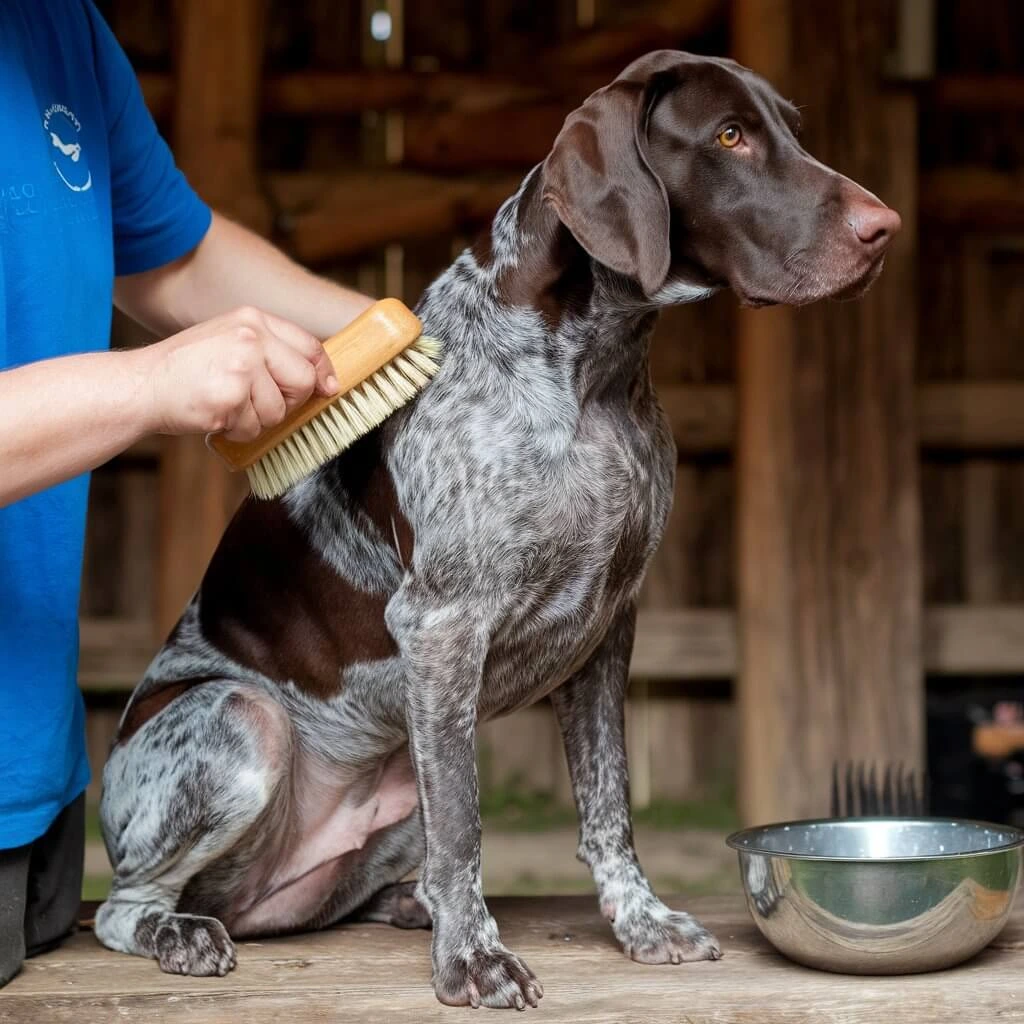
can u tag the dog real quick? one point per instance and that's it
(305, 738)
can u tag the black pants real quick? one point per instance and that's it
(41, 889)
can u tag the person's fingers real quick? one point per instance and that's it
(294, 375)
(267, 400)
(246, 425)
(308, 346)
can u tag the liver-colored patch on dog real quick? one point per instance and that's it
(271, 603)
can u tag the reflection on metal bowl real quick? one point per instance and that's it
(880, 895)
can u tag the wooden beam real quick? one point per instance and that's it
(327, 93)
(672, 645)
(216, 109)
(464, 140)
(977, 93)
(146, 449)
(569, 71)
(971, 415)
(158, 92)
(339, 93)
(973, 198)
(113, 653)
(659, 26)
(217, 103)
(692, 643)
(979, 415)
(829, 547)
(695, 643)
(337, 216)
(981, 639)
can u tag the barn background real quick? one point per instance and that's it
(843, 575)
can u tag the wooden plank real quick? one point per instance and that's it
(975, 414)
(702, 416)
(217, 103)
(702, 643)
(691, 643)
(953, 416)
(113, 653)
(676, 644)
(567, 71)
(829, 552)
(462, 140)
(983, 355)
(146, 449)
(973, 198)
(993, 299)
(329, 217)
(339, 93)
(658, 26)
(979, 93)
(982, 639)
(366, 972)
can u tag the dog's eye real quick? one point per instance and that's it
(730, 137)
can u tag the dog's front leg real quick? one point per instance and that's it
(590, 709)
(444, 650)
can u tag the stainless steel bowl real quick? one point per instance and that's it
(880, 895)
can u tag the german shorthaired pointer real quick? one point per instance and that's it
(305, 737)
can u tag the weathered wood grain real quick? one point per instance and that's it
(829, 554)
(672, 644)
(336, 216)
(973, 198)
(969, 415)
(216, 108)
(373, 973)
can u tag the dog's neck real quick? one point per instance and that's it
(549, 310)
(556, 302)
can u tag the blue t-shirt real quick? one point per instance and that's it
(87, 190)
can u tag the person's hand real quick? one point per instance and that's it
(239, 374)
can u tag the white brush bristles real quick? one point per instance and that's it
(348, 418)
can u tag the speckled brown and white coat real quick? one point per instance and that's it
(305, 738)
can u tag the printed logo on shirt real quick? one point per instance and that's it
(64, 130)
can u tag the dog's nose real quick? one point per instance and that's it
(873, 223)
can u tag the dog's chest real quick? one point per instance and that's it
(536, 513)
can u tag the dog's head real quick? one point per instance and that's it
(686, 173)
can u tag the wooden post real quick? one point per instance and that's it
(216, 110)
(828, 531)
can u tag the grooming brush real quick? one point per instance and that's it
(381, 361)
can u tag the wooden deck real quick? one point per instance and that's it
(371, 973)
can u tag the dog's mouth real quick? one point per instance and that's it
(813, 286)
(858, 288)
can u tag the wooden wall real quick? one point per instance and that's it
(443, 172)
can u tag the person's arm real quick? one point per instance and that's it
(230, 267)
(238, 373)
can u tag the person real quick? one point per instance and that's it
(93, 209)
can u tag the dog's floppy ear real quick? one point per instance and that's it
(598, 179)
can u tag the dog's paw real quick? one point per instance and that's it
(194, 945)
(490, 976)
(653, 934)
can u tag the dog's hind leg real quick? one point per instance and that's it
(177, 795)
(396, 905)
(590, 709)
(374, 890)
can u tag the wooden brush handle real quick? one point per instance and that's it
(371, 341)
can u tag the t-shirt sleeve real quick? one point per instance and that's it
(156, 215)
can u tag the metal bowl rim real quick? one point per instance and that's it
(734, 840)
